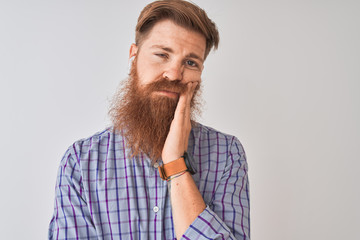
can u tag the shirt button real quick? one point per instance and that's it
(156, 165)
(156, 209)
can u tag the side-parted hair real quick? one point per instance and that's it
(182, 13)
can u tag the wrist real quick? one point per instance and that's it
(176, 176)
(168, 158)
(177, 166)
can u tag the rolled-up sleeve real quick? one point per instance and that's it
(71, 218)
(228, 215)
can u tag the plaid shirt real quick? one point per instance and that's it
(102, 193)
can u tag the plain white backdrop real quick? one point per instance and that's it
(285, 81)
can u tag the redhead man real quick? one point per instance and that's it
(156, 173)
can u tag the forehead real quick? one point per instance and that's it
(168, 34)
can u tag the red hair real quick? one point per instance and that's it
(182, 13)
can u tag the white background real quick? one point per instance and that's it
(285, 81)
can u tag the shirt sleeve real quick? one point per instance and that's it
(228, 215)
(71, 218)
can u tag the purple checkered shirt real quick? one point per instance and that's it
(102, 193)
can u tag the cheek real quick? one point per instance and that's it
(192, 76)
(148, 73)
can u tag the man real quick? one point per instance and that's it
(156, 173)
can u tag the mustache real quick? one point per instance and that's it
(166, 85)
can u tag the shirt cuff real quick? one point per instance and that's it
(208, 226)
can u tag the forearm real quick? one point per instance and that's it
(186, 201)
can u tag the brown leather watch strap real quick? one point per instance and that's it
(172, 168)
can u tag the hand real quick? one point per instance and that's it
(176, 142)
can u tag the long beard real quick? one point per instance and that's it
(143, 117)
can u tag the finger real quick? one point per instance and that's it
(183, 101)
(190, 93)
(181, 105)
(182, 111)
(187, 115)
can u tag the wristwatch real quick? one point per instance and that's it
(184, 163)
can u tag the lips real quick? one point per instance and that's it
(168, 93)
(171, 89)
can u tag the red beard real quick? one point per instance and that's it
(143, 117)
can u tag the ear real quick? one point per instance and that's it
(133, 50)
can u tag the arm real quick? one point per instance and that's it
(186, 200)
(227, 214)
(71, 218)
(192, 218)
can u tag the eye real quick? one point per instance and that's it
(191, 63)
(161, 55)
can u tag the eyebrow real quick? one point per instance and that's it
(167, 49)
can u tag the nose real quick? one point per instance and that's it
(174, 72)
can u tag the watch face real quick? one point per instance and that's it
(189, 161)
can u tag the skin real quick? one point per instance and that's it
(175, 53)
